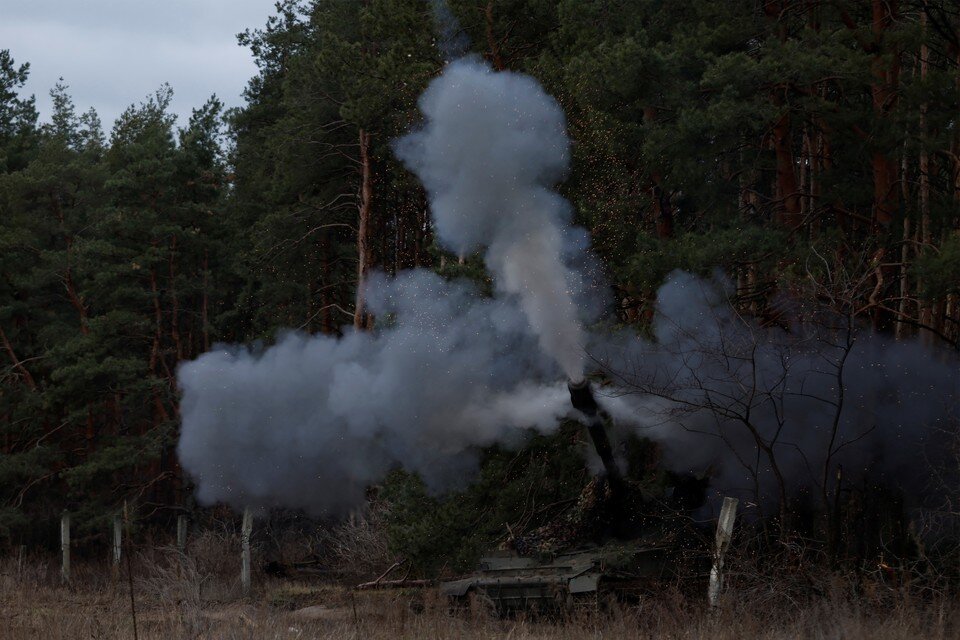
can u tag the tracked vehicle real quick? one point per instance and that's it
(584, 579)
(633, 561)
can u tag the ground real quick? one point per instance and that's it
(171, 603)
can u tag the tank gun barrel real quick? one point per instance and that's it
(583, 400)
(581, 397)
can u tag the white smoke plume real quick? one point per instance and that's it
(490, 153)
(312, 421)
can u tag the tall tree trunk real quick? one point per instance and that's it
(326, 284)
(174, 301)
(806, 164)
(205, 300)
(787, 192)
(886, 201)
(884, 93)
(787, 208)
(901, 327)
(816, 166)
(494, 47)
(660, 199)
(362, 319)
(308, 324)
(419, 236)
(156, 357)
(926, 310)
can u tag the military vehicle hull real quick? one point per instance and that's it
(583, 579)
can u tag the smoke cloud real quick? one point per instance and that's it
(712, 384)
(489, 154)
(312, 421)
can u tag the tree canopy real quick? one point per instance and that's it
(781, 141)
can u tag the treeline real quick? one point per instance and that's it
(790, 142)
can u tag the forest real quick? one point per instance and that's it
(804, 153)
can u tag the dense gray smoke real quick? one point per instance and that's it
(313, 420)
(492, 149)
(715, 388)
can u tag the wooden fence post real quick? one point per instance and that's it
(181, 533)
(245, 532)
(117, 544)
(65, 546)
(728, 514)
(133, 603)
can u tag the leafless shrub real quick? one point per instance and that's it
(216, 554)
(208, 570)
(358, 545)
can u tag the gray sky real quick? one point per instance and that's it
(112, 53)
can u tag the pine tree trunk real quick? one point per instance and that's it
(495, 57)
(174, 301)
(806, 163)
(205, 301)
(419, 236)
(660, 199)
(362, 319)
(156, 357)
(884, 93)
(787, 191)
(901, 326)
(926, 311)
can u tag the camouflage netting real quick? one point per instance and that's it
(568, 529)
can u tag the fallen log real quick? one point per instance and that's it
(395, 584)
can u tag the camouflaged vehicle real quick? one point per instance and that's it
(587, 578)
(548, 571)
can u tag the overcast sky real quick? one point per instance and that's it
(112, 53)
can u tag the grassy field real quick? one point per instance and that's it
(178, 600)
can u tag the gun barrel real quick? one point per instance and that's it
(581, 396)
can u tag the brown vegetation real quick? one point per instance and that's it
(196, 595)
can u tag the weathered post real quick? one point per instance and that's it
(65, 546)
(245, 531)
(181, 533)
(117, 544)
(728, 513)
(133, 603)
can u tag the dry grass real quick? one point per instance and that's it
(179, 597)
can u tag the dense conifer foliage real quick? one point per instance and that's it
(808, 148)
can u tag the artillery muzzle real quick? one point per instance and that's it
(581, 397)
